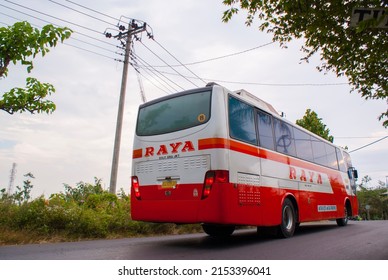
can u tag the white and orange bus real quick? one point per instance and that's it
(223, 159)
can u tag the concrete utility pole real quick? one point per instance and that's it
(133, 28)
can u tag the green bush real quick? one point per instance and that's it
(83, 211)
(30, 215)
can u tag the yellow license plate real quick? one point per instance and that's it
(169, 184)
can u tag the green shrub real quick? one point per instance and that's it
(83, 211)
(30, 215)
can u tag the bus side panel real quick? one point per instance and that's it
(257, 204)
(224, 206)
(316, 189)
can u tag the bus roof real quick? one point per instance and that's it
(259, 102)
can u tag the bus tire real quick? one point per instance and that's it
(218, 230)
(343, 221)
(288, 223)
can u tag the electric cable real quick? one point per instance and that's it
(367, 145)
(260, 83)
(87, 8)
(46, 21)
(180, 74)
(82, 13)
(71, 38)
(220, 57)
(178, 60)
(90, 51)
(158, 73)
(36, 11)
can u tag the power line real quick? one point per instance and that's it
(232, 54)
(91, 44)
(367, 145)
(72, 38)
(232, 82)
(66, 43)
(223, 56)
(89, 51)
(46, 21)
(178, 60)
(259, 83)
(9, 17)
(158, 73)
(103, 14)
(355, 137)
(79, 5)
(36, 11)
(280, 84)
(168, 64)
(166, 92)
(75, 10)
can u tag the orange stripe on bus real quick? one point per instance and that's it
(137, 153)
(222, 143)
(211, 143)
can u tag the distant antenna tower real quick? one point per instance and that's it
(12, 178)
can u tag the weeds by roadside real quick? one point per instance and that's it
(85, 211)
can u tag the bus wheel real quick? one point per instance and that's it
(288, 224)
(343, 221)
(218, 230)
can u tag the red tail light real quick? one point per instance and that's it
(211, 177)
(136, 187)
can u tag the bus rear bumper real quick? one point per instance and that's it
(218, 208)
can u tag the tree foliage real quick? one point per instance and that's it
(313, 123)
(373, 202)
(358, 53)
(31, 99)
(22, 43)
(22, 194)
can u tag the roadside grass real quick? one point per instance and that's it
(83, 212)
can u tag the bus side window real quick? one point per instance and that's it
(331, 156)
(304, 149)
(241, 121)
(285, 141)
(264, 126)
(341, 161)
(319, 151)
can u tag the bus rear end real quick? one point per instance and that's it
(173, 173)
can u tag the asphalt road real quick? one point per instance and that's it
(359, 240)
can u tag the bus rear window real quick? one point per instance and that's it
(174, 114)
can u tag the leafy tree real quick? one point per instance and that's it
(24, 194)
(376, 198)
(83, 190)
(21, 43)
(359, 53)
(313, 123)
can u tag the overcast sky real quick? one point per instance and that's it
(75, 143)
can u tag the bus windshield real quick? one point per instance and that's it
(174, 114)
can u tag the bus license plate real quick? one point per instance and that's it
(169, 184)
